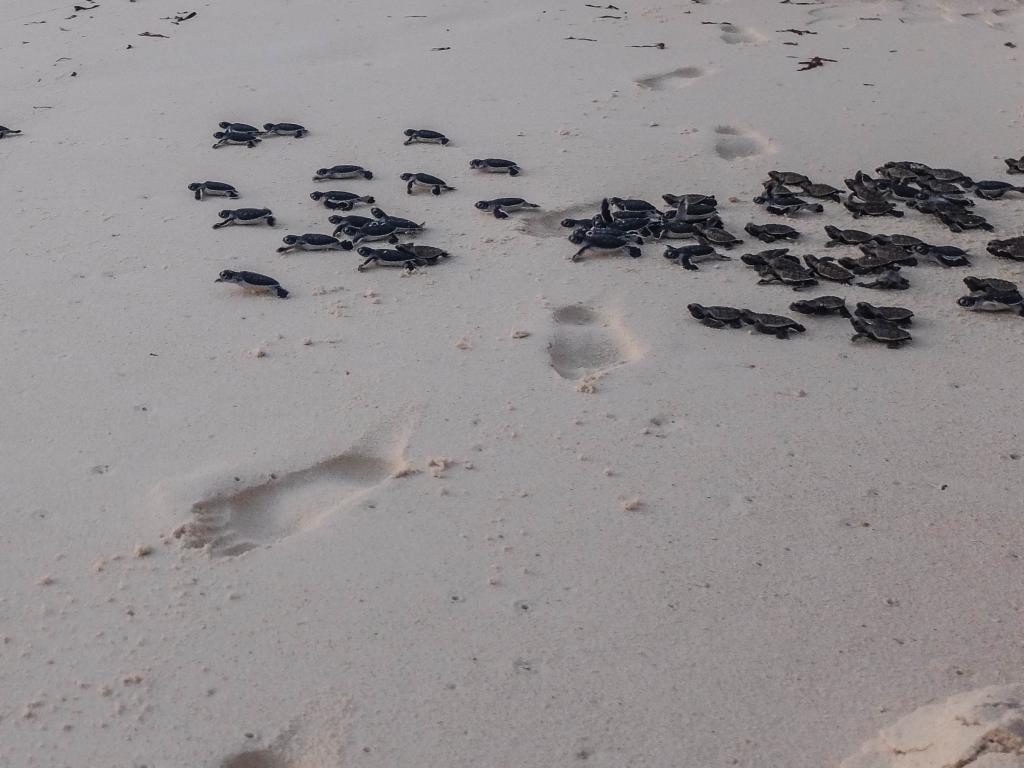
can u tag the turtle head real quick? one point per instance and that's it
(364, 251)
(225, 214)
(350, 230)
(696, 310)
(322, 171)
(974, 283)
(219, 135)
(476, 163)
(615, 200)
(290, 239)
(268, 126)
(227, 276)
(334, 219)
(315, 195)
(377, 213)
(483, 205)
(967, 302)
(224, 124)
(410, 131)
(406, 176)
(194, 186)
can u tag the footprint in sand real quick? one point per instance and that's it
(733, 35)
(732, 143)
(587, 343)
(680, 77)
(549, 223)
(261, 514)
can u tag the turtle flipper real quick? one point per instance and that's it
(224, 223)
(500, 214)
(271, 221)
(281, 292)
(633, 251)
(782, 333)
(362, 266)
(199, 193)
(580, 252)
(710, 322)
(513, 171)
(408, 187)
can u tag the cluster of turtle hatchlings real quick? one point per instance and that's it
(357, 230)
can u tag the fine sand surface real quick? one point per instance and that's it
(509, 510)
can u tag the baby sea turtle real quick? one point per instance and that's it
(495, 165)
(897, 315)
(717, 236)
(427, 254)
(878, 257)
(422, 136)
(821, 191)
(890, 334)
(238, 127)
(989, 284)
(313, 242)
(690, 199)
(874, 208)
(958, 220)
(675, 229)
(401, 225)
(946, 255)
(245, 216)
(890, 280)
(993, 301)
(769, 233)
(342, 201)
(944, 188)
(949, 175)
(234, 137)
(717, 317)
(1010, 248)
(774, 325)
(993, 190)
(502, 205)
(253, 281)
(1013, 164)
(5, 132)
(902, 241)
(212, 188)
(387, 257)
(342, 172)
(624, 204)
(356, 222)
(688, 254)
(788, 177)
(828, 268)
(821, 305)
(378, 229)
(608, 241)
(846, 236)
(424, 181)
(788, 273)
(284, 129)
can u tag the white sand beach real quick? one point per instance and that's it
(508, 510)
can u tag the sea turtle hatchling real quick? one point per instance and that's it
(944, 255)
(773, 325)
(717, 316)
(901, 241)
(879, 257)
(686, 255)
(502, 205)
(212, 188)
(424, 181)
(994, 190)
(245, 216)
(828, 268)
(897, 315)
(949, 175)
(821, 191)
(890, 280)
(975, 283)
(249, 140)
(1010, 248)
(342, 222)
(427, 254)
(628, 204)
(284, 129)
(495, 165)
(341, 201)
(253, 281)
(769, 233)
(377, 229)
(388, 257)
(717, 236)
(890, 334)
(313, 242)
(342, 172)
(5, 132)
(788, 177)
(871, 208)
(1013, 164)
(401, 225)
(993, 301)
(847, 236)
(423, 136)
(689, 199)
(821, 305)
(606, 241)
(238, 127)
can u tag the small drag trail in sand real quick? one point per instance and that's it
(588, 343)
(733, 143)
(258, 515)
(679, 77)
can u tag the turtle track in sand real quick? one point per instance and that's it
(734, 143)
(260, 514)
(588, 343)
(679, 77)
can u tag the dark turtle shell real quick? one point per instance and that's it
(770, 321)
(847, 236)
(821, 305)
(722, 314)
(899, 315)
(828, 268)
(788, 177)
(903, 241)
(880, 330)
(988, 284)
